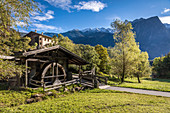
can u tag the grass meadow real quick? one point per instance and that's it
(95, 100)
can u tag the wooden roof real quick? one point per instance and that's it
(72, 58)
(37, 34)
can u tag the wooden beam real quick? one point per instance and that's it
(53, 71)
(26, 73)
(53, 76)
(53, 88)
(57, 70)
(36, 81)
(39, 56)
(35, 85)
(37, 60)
(68, 82)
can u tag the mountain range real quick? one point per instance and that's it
(153, 36)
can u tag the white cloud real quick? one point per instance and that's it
(24, 31)
(165, 19)
(165, 11)
(64, 4)
(47, 28)
(19, 23)
(95, 6)
(46, 16)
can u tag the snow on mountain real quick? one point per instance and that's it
(167, 26)
(107, 30)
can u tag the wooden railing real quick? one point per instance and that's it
(55, 86)
(90, 79)
(87, 78)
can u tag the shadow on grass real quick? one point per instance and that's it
(158, 79)
(6, 89)
(126, 81)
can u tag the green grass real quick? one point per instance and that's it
(147, 83)
(10, 98)
(97, 101)
(18, 96)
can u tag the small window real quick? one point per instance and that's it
(48, 40)
(40, 38)
(44, 39)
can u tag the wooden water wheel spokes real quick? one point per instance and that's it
(53, 73)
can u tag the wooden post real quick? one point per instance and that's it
(96, 82)
(43, 86)
(93, 80)
(57, 70)
(80, 76)
(53, 72)
(26, 73)
(64, 87)
(105, 81)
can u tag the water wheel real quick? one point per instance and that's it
(53, 73)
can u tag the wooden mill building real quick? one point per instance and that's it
(48, 66)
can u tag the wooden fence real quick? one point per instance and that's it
(55, 86)
(87, 78)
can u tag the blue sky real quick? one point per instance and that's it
(62, 15)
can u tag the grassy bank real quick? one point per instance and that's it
(97, 101)
(146, 83)
(19, 96)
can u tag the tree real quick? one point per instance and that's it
(143, 67)
(88, 53)
(66, 42)
(104, 57)
(161, 66)
(110, 51)
(125, 61)
(12, 13)
(15, 12)
(9, 69)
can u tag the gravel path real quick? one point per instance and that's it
(140, 91)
